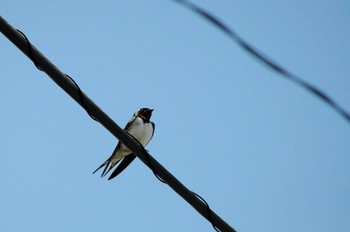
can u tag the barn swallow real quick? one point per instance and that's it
(142, 129)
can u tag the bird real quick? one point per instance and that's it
(140, 128)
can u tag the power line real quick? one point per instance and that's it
(265, 59)
(71, 88)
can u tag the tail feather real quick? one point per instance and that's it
(108, 164)
(105, 163)
(104, 170)
(108, 167)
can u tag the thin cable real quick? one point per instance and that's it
(33, 59)
(208, 210)
(82, 98)
(152, 168)
(148, 160)
(266, 60)
(31, 55)
(70, 88)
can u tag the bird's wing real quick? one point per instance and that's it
(132, 119)
(125, 162)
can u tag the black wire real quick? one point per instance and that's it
(82, 98)
(266, 60)
(152, 168)
(32, 58)
(30, 50)
(105, 120)
(210, 219)
(80, 93)
(145, 152)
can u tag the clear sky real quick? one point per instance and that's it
(264, 153)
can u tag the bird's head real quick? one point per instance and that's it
(144, 113)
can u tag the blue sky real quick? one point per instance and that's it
(264, 153)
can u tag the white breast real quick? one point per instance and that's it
(141, 131)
